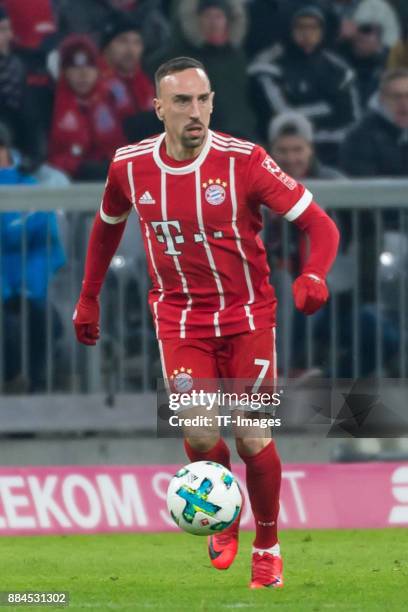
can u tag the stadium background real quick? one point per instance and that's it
(79, 449)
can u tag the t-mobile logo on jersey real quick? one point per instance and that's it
(163, 234)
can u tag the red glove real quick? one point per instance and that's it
(310, 293)
(86, 320)
(103, 243)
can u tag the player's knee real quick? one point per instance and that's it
(203, 444)
(250, 446)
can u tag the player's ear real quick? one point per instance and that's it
(158, 108)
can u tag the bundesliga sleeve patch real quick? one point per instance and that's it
(271, 166)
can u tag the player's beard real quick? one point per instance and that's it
(189, 141)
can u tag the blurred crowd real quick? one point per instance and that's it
(322, 84)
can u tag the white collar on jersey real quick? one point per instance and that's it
(181, 169)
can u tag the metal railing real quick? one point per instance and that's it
(361, 332)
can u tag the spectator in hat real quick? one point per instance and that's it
(353, 13)
(367, 55)
(132, 89)
(213, 32)
(378, 144)
(288, 8)
(303, 75)
(290, 139)
(86, 127)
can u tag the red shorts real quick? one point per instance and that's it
(249, 356)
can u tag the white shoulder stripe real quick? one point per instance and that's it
(299, 207)
(151, 139)
(232, 140)
(127, 148)
(228, 149)
(130, 149)
(113, 220)
(136, 147)
(133, 154)
(232, 145)
(146, 141)
(242, 143)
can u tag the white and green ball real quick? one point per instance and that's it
(204, 498)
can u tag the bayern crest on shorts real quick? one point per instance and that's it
(182, 380)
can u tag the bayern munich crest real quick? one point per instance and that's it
(215, 191)
(182, 380)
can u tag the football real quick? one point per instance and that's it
(203, 498)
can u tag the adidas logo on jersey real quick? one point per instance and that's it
(146, 198)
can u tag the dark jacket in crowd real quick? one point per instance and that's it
(368, 71)
(23, 119)
(319, 85)
(318, 170)
(12, 89)
(265, 25)
(375, 147)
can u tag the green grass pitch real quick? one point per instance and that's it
(324, 570)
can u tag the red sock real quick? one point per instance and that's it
(263, 478)
(219, 453)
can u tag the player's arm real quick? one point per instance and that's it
(309, 289)
(105, 236)
(283, 195)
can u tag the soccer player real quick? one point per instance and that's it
(198, 195)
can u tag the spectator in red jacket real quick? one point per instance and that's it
(86, 127)
(132, 89)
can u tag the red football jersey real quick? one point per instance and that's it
(200, 221)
